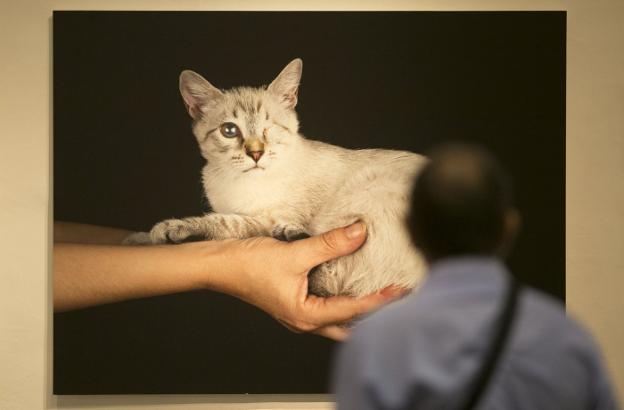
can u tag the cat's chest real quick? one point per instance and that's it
(248, 196)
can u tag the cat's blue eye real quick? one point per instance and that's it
(230, 130)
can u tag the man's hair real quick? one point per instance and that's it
(459, 202)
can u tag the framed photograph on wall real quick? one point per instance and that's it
(125, 156)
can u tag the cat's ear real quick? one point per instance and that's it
(196, 91)
(286, 84)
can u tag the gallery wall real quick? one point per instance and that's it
(594, 192)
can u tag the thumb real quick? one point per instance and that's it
(330, 245)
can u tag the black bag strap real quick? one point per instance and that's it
(479, 384)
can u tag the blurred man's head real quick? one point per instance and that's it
(462, 205)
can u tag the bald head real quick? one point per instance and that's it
(461, 204)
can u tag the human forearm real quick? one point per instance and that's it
(86, 275)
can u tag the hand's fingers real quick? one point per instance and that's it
(337, 242)
(338, 309)
(289, 327)
(334, 332)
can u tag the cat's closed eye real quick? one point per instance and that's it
(230, 130)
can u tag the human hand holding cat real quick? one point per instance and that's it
(91, 269)
(275, 279)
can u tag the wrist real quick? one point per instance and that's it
(218, 266)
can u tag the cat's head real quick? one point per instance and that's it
(244, 130)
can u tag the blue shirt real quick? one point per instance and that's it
(428, 346)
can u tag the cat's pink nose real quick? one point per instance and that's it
(254, 148)
(255, 155)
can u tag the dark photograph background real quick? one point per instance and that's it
(124, 156)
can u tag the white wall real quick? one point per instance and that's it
(594, 201)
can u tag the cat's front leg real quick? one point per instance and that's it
(210, 226)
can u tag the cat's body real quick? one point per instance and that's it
(262, 178)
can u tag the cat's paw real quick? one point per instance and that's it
(288, 232)
(176, 231)
(138, 238)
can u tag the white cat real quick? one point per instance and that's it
(264, 178)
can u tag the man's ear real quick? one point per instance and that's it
(286, 84)
(512, 222)
(196, 92)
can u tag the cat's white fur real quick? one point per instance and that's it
(299, 186)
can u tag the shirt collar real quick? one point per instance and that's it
(461, 271)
